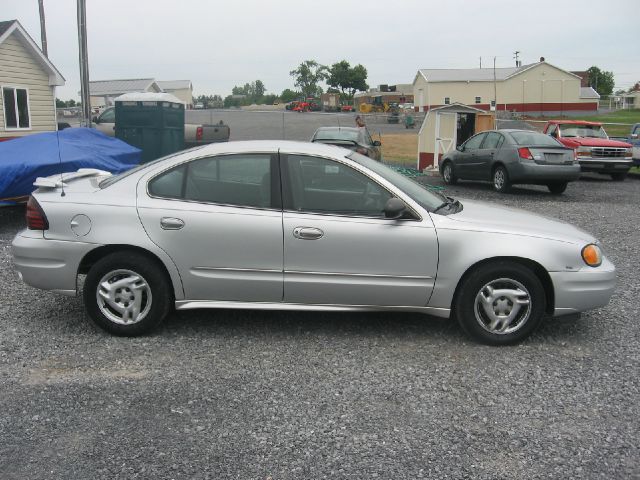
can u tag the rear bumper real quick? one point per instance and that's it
(583, 290)
(605, 165)
(535, 173)
(48, 264)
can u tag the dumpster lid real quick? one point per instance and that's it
(148, 97)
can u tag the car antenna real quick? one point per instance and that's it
(60, 159)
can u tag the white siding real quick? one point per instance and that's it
(19, 69)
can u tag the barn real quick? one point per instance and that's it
(536, 89)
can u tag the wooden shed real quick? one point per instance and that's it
(446, 127)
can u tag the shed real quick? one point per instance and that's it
(446, 127)
(28, 82)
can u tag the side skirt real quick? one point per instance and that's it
(194, 304)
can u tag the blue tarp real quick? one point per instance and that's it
(24, 159)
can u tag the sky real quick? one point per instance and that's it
(220, 44)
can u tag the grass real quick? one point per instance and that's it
(401, 148)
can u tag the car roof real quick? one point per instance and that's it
(512, 130)
(346, 129)
(286, 146)
(575, 122)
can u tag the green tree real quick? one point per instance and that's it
(348, 79)
(289, 95)
(307, 77)
(259, 88)
(601, 81)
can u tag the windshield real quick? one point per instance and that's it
(589, 131)
(337, 134)
(116, 178)
(419, 193)
(534, 139)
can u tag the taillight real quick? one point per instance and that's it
(199, 133)
(36, 219)
(525, 153)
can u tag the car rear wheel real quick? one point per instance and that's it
(448, 175)
(618, 176)
(557, 188)
(501, 179)
(127, 294)
(500, 303)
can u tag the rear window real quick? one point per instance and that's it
(348, 135)
(534, 139)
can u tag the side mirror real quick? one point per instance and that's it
(377, 143)
(634, 136)
(554, 134)
(394, 208)
(95, 119)
(460, 148)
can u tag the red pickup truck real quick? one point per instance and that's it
(594, 150)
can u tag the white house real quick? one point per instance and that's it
(28, 83)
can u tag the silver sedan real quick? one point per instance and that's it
(299, 226)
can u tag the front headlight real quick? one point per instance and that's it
(583, 151)
(628, 152)
(592, 255)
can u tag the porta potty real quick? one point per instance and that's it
(153, 122)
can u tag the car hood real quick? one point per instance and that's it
(596, 142)
(481, 216)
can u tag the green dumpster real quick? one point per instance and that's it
(153, 122)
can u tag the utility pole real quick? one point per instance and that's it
(43, 28)
(480, 62)
(515, 55)
(495, 88)
(84, 64)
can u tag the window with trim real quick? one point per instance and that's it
(15, 103)
(447, 100)
(478, 99)
(241, 180)
(319, 185)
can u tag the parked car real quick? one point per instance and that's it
(634, 140)
(194, 134)
(508, 157)
(595, 151)
(347, 108)
(356, 139)
(299, 226)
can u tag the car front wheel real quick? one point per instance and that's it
(127, 294)
(448, 174)
(500, 303)
(501, 179)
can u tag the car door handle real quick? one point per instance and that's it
(307, 233)
(170, 223)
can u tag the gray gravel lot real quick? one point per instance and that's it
(256, 395)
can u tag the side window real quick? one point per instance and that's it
(108, 116)
(168, 184)
(318, 185)
(240, 180)
(552, 131)
(474, 142)
(492, 140)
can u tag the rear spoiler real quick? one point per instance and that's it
(56, 181)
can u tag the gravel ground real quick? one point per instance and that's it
(254, 395)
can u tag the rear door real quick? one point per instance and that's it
(220, 219)
(486, 155)
(338, 247)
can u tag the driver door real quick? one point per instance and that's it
(468, 160)
(107, 122)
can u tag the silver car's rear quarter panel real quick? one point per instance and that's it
(583, 290)
(48, 264)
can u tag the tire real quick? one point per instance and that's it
(619, 176)
(557, 188)
(488, 321)
(143, 282)
(500, 179)
(448, 174)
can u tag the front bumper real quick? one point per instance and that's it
(532, 172)
(583, 290)
(605, 165)
(48, 264)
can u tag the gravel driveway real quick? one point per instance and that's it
(257, 395)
